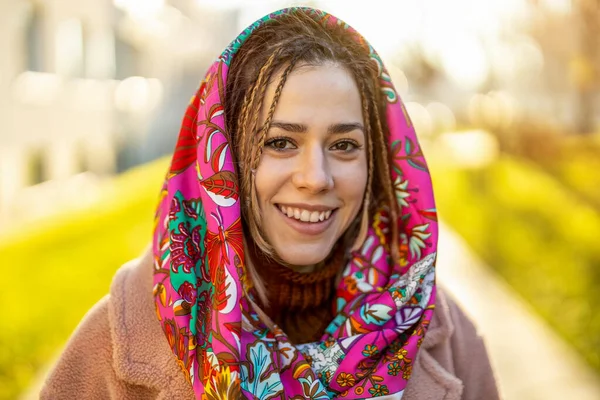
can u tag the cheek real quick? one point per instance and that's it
(269, 178)
(351, 182)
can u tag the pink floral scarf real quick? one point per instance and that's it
(382, 308)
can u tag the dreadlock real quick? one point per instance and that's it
(274, 50)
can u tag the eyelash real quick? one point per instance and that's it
(275, 139)
(270, 142)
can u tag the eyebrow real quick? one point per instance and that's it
(332, 129)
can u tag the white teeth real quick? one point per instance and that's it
(305, 215)
(314, 216)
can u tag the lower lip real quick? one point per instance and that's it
(308, 228)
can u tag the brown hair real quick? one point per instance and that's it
(278, 46)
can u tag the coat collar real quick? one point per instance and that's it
(142, 355)
(441, 327)
(429, 375)
(140, 351)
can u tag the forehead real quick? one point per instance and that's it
(316, 94)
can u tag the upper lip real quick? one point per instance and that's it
(308, 207)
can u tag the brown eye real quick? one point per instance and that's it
(342, 146)
(280, 144)
(345, 146)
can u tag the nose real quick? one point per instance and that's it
(313, 173)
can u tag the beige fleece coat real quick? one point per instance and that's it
(120, 352)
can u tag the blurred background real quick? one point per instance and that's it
(504, 95)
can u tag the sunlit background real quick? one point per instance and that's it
(504, 95)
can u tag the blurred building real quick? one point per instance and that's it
(91, 87)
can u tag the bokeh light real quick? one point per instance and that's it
(503, 94)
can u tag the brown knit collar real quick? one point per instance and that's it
(296, 297)
(326, 271)
(275, 275)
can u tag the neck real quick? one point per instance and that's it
(303, 269)
(300, 300)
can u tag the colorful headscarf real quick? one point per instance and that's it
(382, 308)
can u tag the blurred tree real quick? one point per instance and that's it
(569, 41)
(421, 71)
(35, 39)
(584, 67)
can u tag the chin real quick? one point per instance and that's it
(303, 257)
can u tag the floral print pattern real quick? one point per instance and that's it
(204, 297)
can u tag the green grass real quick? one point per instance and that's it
(578, 167)
(542, 238)
(56, 269)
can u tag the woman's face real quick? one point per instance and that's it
(312, 175)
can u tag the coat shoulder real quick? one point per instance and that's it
(91, 363)
(85, 365)
(461, 350)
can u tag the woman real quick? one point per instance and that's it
(294, 249)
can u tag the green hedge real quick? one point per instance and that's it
(56, 269)
(542, 238)
(577, 166)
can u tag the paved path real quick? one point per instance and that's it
(530, 360)
(537, 366)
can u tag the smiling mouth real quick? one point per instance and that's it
(301, 215)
